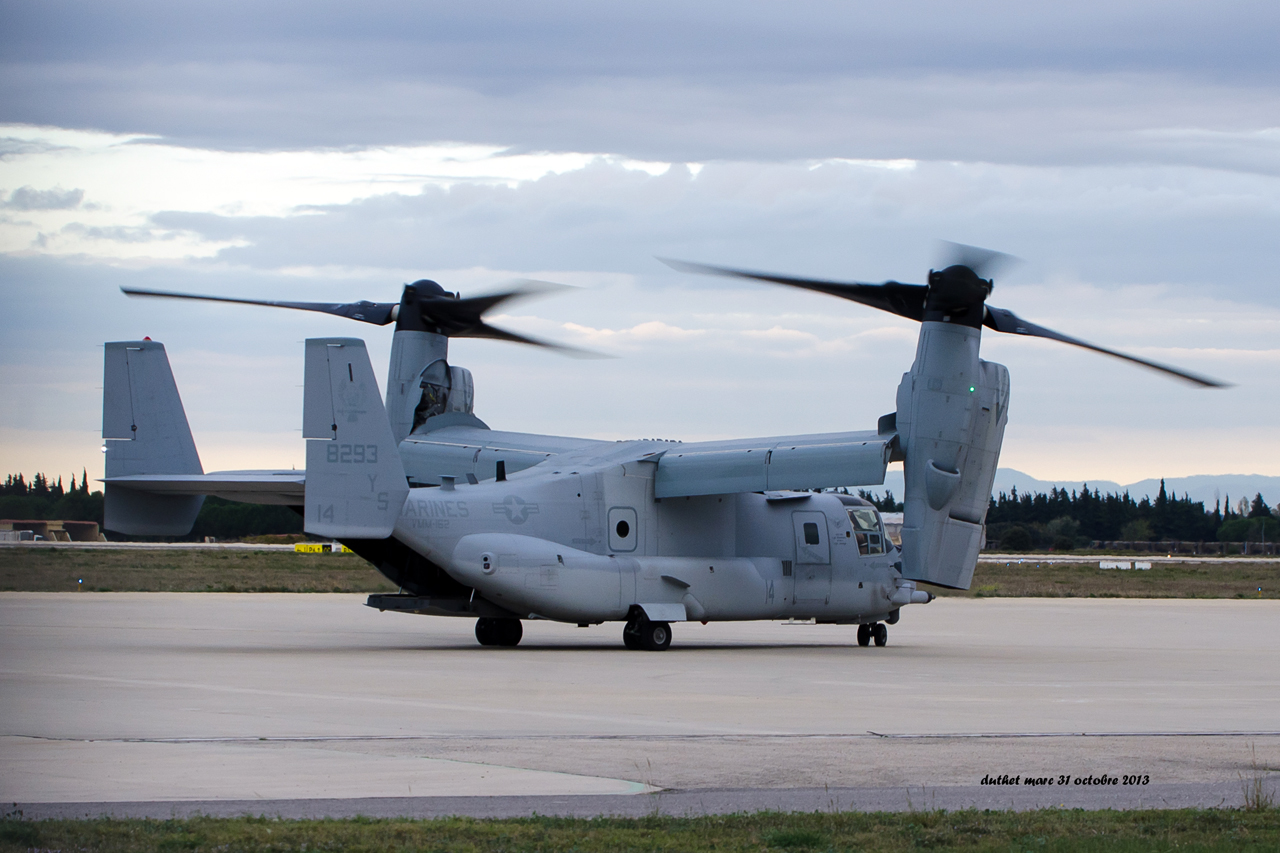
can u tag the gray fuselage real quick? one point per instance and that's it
(581, 538)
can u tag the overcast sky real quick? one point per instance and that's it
(1129, 153)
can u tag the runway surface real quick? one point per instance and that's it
(159, 704)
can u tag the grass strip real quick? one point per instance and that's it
(192, 570)
(1043, 830)
(195, 570)
(1217, 579)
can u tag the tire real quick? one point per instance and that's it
(655, 636)
(499, 632)
(631, 636)
(864, 635)
(510, 632)
(880, 634)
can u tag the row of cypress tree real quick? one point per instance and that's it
(1054, 518)
(43, 498)
(1051, 519)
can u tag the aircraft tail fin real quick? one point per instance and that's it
(356, 485)
(146, 432)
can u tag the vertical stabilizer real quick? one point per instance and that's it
(146, 432)
(356, 485)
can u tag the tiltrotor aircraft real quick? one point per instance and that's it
(505, 526)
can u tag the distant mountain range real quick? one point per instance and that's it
(1201, 487)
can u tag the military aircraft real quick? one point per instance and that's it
(505, 526)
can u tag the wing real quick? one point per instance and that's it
(775, 463)
(459, 449)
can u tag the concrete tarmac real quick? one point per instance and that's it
(156, 703)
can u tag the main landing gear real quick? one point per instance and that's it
(877, 632)
(499, 632)
(643, 634)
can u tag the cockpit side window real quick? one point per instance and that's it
(435, 382)
(867, 530)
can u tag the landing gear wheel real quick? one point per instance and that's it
(864, 635)
(499, 632)
(655, 636)
(880, 634)
(512, 632)
(631, 636)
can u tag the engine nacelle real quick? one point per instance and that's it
(411, 351)
(952, 410)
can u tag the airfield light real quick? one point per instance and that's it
(970, 389)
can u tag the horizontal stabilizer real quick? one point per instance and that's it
(355, 482)
(283, 488)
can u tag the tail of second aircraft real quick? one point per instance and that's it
(146, 432)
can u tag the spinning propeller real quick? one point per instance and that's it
(423, 307)
(955, 294)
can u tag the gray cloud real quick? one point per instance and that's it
(11, 147)
(498, 40)
(29, 198)
(1002, 82)
(1204, 231)
(117, 233)
(1126, 150)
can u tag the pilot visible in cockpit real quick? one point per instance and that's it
(435, 392)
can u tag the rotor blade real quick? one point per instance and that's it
(1006, 321)
(464, 318)
(905, 300)
(448, 311)
(525, 288)
(378, 313)
(482, 329)
(986, 263)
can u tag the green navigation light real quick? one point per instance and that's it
(970, 389)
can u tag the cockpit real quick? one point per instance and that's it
(444, 389)
(868, 530)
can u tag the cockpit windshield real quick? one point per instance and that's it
(867, 529)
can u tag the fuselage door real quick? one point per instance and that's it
(813, 556)
(812, 545)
